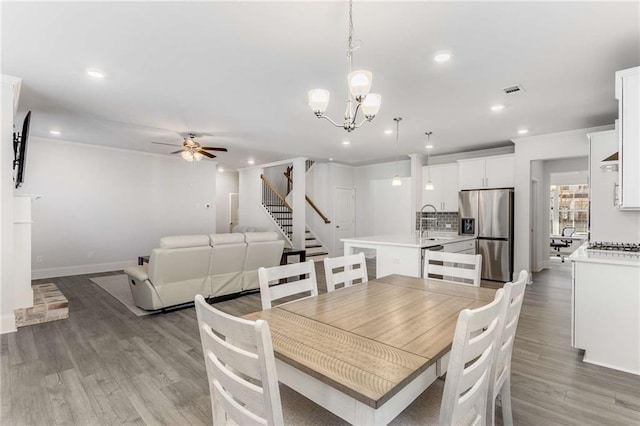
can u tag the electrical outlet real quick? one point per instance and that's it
(39, 259)
(91, 255)
(395, 260)
(447, 225)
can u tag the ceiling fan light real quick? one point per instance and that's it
(371, 105)
(360, 84)
(396, 181)
(318, 100)
(197, 156)
(187, 155)
(429, 186)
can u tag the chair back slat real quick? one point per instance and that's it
(349, 273)
(240, 366)
(456, 267)
(294, 285)
(243, 360)
(472, 353)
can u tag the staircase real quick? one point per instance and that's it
(282, 215)
(314, 248)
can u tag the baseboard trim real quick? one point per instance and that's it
(65, 271)
(8, 324)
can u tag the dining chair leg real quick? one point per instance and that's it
(491, 413)
(507, 415)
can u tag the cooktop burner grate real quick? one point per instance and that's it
(628, 247)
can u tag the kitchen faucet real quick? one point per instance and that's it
(428, 218)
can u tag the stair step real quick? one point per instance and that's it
(320, 253)
(313, 246)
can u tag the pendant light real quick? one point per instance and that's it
(396, 181)
(429, 185)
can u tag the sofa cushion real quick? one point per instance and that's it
(184, 241)
(254, 237)
(220, 239)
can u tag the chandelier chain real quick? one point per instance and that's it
(350, 42)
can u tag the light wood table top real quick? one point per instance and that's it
(370, 340)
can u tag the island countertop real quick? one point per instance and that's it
(410, 240)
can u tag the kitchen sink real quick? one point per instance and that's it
(438, 238)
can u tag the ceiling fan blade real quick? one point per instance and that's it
(206, 154)
(176, 152)
(162, 143)
(214, 148)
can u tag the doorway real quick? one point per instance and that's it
(233, 210)
(344, 214)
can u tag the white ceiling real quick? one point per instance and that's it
(242, 71)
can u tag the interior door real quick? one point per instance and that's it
(344, 217)
(233, 210)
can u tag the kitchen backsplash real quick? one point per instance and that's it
(444, 219)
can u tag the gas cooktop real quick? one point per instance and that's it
(624, 247)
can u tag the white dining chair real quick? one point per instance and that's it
(464, 399)
(241, 369)
(291, 273)
(455, 267)
(501, 375)
(348, 274)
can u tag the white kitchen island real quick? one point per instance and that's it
(606, 308)
(402, 254)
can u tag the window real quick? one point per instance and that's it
(569, 206)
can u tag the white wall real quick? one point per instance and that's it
(544, 147)
(608, 223)
(363, 176)
(111, 204)
(250, 210)
(322, 179)
(226, 183)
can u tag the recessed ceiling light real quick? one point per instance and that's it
(388, 132)
(54, 132)
(330, 159)
(346, 142)
(442, 57)
(95, 73)
(523, 131)
(251, 162)
(497, 107)
(221, 169)
(429, 146)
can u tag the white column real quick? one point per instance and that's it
(298, 202)
(22, 291)
(9, 100)
(417, 161)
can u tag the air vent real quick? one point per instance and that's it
(512, 90)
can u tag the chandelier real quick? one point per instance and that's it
(359, 83)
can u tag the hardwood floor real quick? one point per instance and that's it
(104, 365)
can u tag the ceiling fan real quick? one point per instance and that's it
(192, 150)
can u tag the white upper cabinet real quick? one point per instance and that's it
(487, 172)
(444, 195)
(628, 95)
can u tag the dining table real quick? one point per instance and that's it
(367, 351)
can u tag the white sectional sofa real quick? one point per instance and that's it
(211, 265)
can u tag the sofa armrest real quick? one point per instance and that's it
(139, 273)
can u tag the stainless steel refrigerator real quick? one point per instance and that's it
(488, 214)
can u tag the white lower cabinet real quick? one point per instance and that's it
(606, 313)
(466, 247)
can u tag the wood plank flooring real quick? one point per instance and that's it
(104, 365)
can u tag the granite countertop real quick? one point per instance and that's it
(601, 256)
(411, 240)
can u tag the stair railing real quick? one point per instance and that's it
(287, 174)
(274, 202)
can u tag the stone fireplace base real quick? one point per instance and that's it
(49, 304)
